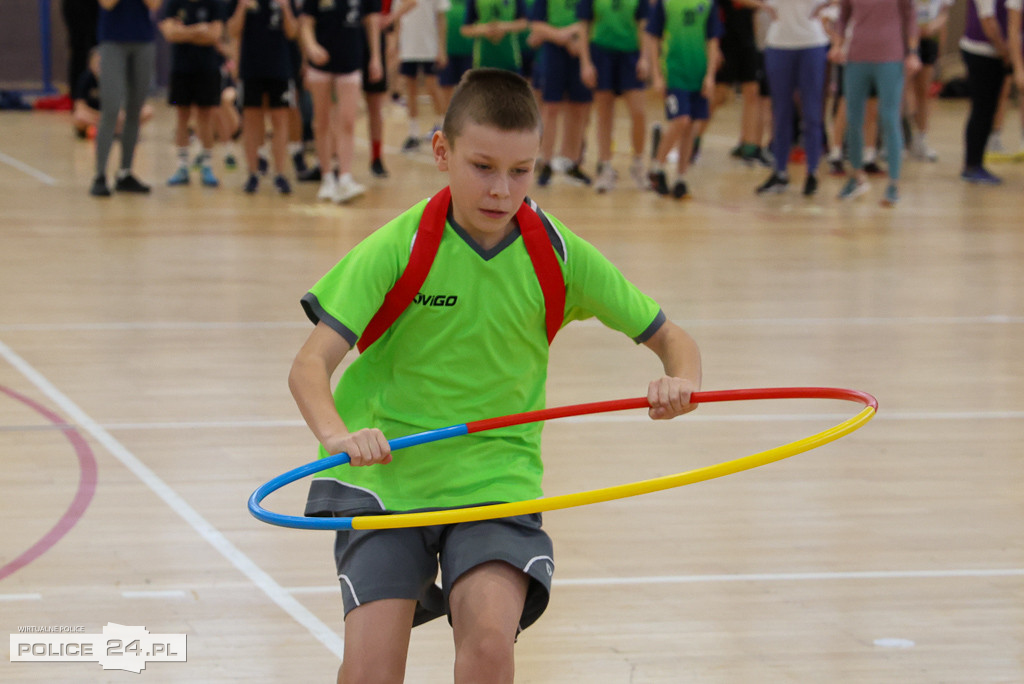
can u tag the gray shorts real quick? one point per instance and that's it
(403, 564)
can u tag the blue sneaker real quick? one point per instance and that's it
(180, 177)
(207, 178)
(892, 195)
(282, 185)
(980, 176)
(854, 187)
(252, 184)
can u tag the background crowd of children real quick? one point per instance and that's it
(311, 66)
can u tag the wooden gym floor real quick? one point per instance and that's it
(145, 342)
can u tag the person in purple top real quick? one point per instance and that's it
(986, 53)
(126, 34)
(880, 45)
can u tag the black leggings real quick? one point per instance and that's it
(985, 76)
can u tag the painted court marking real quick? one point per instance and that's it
(83, 494)
(213, 536)
(27, 170)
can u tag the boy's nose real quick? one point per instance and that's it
(500, 186)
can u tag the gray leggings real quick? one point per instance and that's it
(126, 70)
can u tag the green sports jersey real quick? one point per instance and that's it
(458, 44)
(615, 24)
(561, 13)
(472, 345)
(506, 53)
(684, 47)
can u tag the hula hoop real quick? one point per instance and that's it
(486, 512)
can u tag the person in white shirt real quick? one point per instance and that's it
(422, 41)
(932, 16)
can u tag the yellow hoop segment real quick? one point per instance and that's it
(459, 515)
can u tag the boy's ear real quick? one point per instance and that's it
(442, 150)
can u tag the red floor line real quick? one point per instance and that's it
(87, 477)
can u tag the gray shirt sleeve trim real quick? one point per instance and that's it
(316, 313)
(655, 325)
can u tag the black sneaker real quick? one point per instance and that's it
(575, 174)
(544, 177)
(312, 175)
(99, 187)
(737, 152)
(679, 190)
(872, 168)
(658, 182)
(263, 165)
(282, 185)
(411, 144)
(836, 168)
(810, 185)
(132, 184)
(756, 155)
(775, 185)
(299, 162)
(377, 169)
(252, 184)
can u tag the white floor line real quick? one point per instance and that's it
(155, 594)
(26, 169)
(756, 577)
(21, 597)
(208, 532)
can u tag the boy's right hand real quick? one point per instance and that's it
(364, 447)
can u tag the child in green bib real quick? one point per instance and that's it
(471, 342)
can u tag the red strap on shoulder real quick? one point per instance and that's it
(545, 263)
(424, 249)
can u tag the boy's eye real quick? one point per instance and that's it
(483, 167)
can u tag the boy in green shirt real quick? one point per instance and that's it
(685, 33)
(615, 65)
(472, 343)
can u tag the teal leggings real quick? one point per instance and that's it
(888, 80)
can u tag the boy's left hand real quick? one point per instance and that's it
(670, 397)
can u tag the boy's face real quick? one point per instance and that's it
(490, 171)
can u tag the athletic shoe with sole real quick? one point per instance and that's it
(180, 177)
(99, 187)
(348, 189)
(131, 184)
(575, 174)
(658, 182)
(891, 197)
(979, 175)
(207, 178)
(775, 185)
(853, 187)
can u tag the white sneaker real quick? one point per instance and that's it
(348, 189)
(919, 150)
(638, 174)
(328, 187)
(606, 179)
